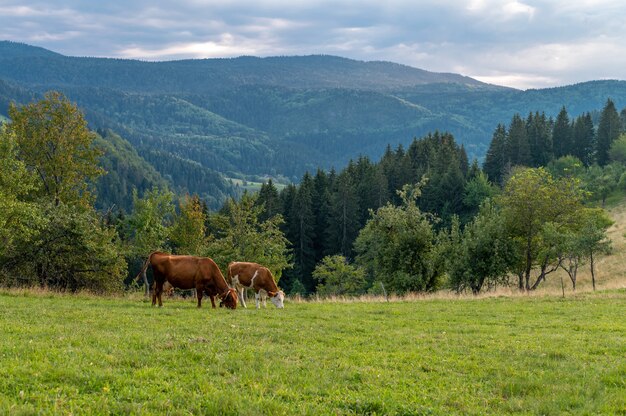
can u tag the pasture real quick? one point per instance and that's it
(499, 355)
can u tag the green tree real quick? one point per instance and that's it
(147, 228)
(188, 233)
(518, 148)
(239, 235)
(617, 151)
(477, 190)
(602, 181)
(584, 139)
(496, 159)
(585, 242)
(54, 142)
(67, 245)
(481, 254)
(269, 198)
(19, 217)
(397, 246)
(540, 138)
(562, 135)
(609, 129)
(302, 232)
(335, 276)
(532, 202)
(343, 224)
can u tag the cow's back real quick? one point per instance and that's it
(182, 272)
(251, 275)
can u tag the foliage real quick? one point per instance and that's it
(53, 141)
(187, 234)
(19, 218)
(481, 254)
(617, 151)
(239, 235)
(57, 240)
(609, 129)
(531, 201)
(397, 245)
(335, 276)
(148, 227)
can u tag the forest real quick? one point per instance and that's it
(421, 219)
(200, 123)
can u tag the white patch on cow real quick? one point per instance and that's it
(239, 288)
(279, 299)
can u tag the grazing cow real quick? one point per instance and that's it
(189, 272)
(254, 276)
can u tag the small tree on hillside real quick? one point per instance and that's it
(335, 276)
(188, 234)
(240, 236)
(68, 247)
(481, 254)
(397, 244)
(532, 203)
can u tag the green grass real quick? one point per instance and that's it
(523, 355)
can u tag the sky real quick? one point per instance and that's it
(521, 43)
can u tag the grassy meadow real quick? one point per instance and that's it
(495, 355)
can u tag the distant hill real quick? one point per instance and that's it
(276, 116)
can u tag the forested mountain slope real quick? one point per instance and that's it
(196, 120)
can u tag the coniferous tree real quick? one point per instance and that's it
(609, 129)
(584, 138)
(540, 138)
(321, 210)
(269, 198)
(496, 158)
(518, 148)
(562, 142)
(343, 226)
(302, 231)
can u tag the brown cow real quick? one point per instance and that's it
(189, 272)
(254, 276)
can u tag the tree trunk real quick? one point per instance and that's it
(593, 275)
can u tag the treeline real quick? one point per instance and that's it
(420, 219)
(538, 140)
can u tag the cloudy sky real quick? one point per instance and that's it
(519, 43)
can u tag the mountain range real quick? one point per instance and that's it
(198, 122)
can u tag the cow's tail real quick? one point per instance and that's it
(142, 272)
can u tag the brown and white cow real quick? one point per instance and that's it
(188, 272)
(254, 276)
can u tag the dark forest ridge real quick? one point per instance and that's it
(33, 64)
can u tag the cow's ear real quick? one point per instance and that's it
(271, 294)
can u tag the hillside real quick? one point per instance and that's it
(277, 116)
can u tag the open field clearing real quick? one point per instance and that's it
(526, 355)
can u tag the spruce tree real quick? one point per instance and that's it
(609, 129)
(496, 158)
(518, 148)
(584, 138)
(540, 138)
(562, 142)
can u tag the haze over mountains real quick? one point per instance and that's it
(196, 120)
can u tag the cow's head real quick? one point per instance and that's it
(229, 299)
(277, 298)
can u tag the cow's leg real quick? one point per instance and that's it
(153, 293)
(257, 298)
(264, 299)
(199, 291)
(240, 290)
(158, 291)
(212, 301)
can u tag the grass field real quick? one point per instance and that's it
(499, 355)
